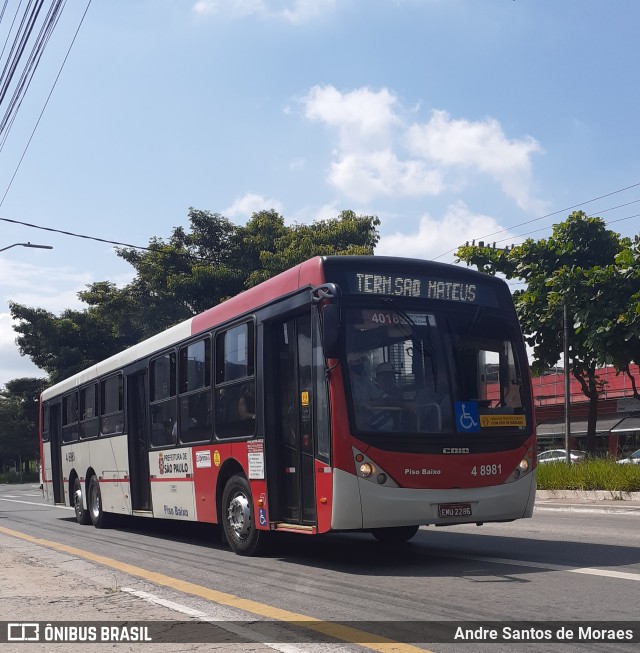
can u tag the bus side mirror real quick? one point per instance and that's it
(331, 330)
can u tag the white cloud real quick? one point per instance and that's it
(381, 173)
(363, 117)
(237, 8)
(7, 336)
(327, 211)
(13, 365)
(295, 12)
(54, 289)
(250, 203)
(440, 237)
(480, 145)
(302, 11)
(378, 154)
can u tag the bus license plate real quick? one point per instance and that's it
(454, 510)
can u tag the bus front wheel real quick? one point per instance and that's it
(82, 515)
(394, 534)
(98, 516)
(238, 518)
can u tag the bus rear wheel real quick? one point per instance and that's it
(394, 534)
(82, 515)
(98, 516)
(238, 518)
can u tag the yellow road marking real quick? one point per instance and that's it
(338, 631)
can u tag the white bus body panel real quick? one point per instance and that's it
(346, 511)
(109, 459)
(386, 506)
(118, 361)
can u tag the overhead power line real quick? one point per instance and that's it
(101, 240)
(543, 217)
(75, 235)
(20, 90)
(22, 35)
(202, 258)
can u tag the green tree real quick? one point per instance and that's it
(19, 406)
(557, 271)
(609, 315)
(175, 279)
(65, 344)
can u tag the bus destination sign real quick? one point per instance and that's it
(427, 287)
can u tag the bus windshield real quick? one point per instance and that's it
(442, 371)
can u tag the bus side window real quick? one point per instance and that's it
(89, 411)
(164, 428)
(111, 413)
(70, 428)
(194, 389)
(235, 382)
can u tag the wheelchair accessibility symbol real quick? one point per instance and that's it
(467, 418)
(262, 516)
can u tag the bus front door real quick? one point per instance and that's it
(137, 441)
(294, 435)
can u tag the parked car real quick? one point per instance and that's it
(633, 459)
(560, 456)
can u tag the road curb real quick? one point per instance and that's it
(589, 495)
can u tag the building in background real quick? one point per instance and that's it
(618, 425)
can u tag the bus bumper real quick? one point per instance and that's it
(382, 507)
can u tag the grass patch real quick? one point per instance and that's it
(14, 477)
(589, 474)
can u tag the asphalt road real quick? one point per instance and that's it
(573, 562)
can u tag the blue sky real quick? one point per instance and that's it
(448, 119)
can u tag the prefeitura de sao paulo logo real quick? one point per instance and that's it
(161, 463)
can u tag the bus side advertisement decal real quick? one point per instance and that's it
(255, 459)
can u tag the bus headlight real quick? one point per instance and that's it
(366, 470)
(370, 471)
(522, 468)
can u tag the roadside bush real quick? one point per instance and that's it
(589, 474)
(14, 477)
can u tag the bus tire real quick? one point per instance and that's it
(82, 515)
(94, 503)
(238, 519)
(394, 534)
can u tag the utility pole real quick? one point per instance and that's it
(567, 397)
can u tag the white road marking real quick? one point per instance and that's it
(589, 571)
(229, 626)
(33, 503)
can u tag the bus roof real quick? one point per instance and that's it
(305, 274)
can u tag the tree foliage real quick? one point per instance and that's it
(609, 314)
(19, 402)
(589, 268)
(179, 277)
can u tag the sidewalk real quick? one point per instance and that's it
(588, 500)
(589, 495)
(42, 585)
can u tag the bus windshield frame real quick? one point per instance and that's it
(428, 373)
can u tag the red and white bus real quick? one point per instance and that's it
(357, 393)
